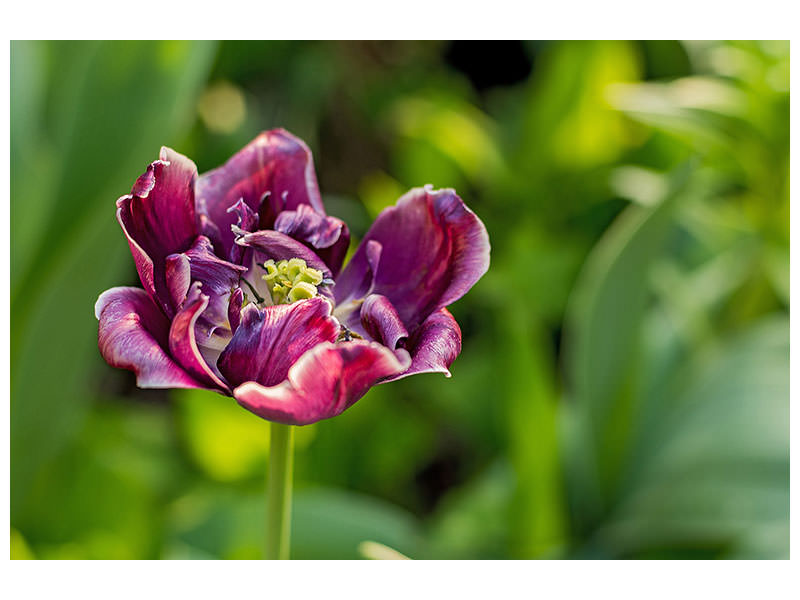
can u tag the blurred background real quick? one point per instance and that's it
(623, 390)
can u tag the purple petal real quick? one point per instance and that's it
(278, 246)
(434, 249)
(178, 276)
(269, 340)
(158, 218)
(358, 278)
(329, 236)
(276, 167)
(246, 220)
(209, 229)
(218, 278)
(324, 382)
(133, 334)
(381, 321)
(235, 309)
(433, 346)
(183, 341)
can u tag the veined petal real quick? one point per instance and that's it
(178, 276)
(358, 279)
(246, 220)
(307, 225)
(433, 346)
(183, 341)
(269, 340)
(217, 277)
(132, 335)
(434, 249)
(325, 381)
(381, 321)
(329, 236)
(235, 309)
(276, 168)
(158, 218)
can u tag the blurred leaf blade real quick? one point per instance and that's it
(715, 474)
(604, 320)
(53, 327)
(327, 524)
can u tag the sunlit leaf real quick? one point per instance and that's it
(226, 441)
(19, 548)
(376, 551)
(223, 439)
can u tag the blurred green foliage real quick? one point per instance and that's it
(623, 387)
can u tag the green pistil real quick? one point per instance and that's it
(291, 280)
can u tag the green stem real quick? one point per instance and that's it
(279, 490)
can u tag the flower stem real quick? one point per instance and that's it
(279, 490)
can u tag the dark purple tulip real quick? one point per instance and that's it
(244, 291)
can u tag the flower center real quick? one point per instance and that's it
(291, 280)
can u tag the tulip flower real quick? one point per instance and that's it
(243, 290)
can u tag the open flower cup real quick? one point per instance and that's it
(243, 290)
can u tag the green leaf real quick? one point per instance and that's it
(603, 326)
(474, 520)
(19, 548)
(327, 523)
(126, 99)
(714, 471)
(103, 495)
(34, 157)
(332, 524)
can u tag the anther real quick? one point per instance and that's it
(291, 280)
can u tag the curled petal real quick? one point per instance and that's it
(133, 335)
(276, 168)
(307, 225)
(358, 279)
(183, 341)
(246, 220)
(325, 381)
(434, 249)
(329, 236)
(143, 261)
(217, 277)
(158, 218)
(235, 309)
(433, 346)
(178, 276)
(269, 340)
(381, 321)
